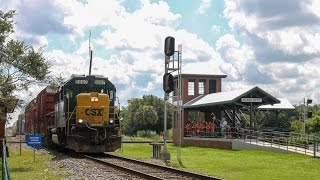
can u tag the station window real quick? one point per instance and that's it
(201, 87)
(191, 87)
(212, 86)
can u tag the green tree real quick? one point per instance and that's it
(146, 116)
(296, 126)
(147, 104)
(313, 123)
(20, 64)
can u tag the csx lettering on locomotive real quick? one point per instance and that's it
(93, 112)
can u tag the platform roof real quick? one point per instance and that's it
(234, 97)
(283, 105)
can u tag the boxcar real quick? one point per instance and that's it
(39, 113)
(30, 114)
(45, 110)
(19, 125)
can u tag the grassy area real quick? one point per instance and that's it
(24, 167)
(231, 164)
(138, 138)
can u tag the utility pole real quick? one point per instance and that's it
(180, 112)
(167, 87)
(306, 113)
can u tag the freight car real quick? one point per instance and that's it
(84, 116)
(18, 127)
(44, 108)
(39, 113)
(30, 114)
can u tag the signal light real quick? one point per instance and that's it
(168, 83)
(309, 114)
(169, 46)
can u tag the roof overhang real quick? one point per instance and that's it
(203, 75)
(243, 97)
(283, 105)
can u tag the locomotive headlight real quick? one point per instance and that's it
(110, 121)
(94, 99)
(80, 121)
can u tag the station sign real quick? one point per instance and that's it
(251, 100)
(34, 140)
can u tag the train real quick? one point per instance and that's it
(81, 115)
(18, 127)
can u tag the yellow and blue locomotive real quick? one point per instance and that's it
(85, 116)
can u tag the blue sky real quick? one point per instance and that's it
(271, 44)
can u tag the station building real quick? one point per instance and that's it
(205, 108)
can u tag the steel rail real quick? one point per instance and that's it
(164, 168)
(121, 168)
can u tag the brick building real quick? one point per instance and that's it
(202, 99)
(193, 86)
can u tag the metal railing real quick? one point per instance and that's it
(5, 169)
(290, 141)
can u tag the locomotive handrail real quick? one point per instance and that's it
(114, 114)
(67, 121)
(50, 119)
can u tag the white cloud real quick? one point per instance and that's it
(216, 29)
(264, 48)
(111, 13)
(35, 19)
(278, 49)
(204, 6)
(291, 27)
(134, 41)
(227, 40)
(236, 57)
(314, 7)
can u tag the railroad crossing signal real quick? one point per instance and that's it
(168, 83)
(169, 46)
(168, 51)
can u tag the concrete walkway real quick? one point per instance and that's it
(261, 145)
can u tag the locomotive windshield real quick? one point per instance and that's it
(86, 84)
(92, 84)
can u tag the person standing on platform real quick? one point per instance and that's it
(214, 119)
(224, 127)
(218, 127)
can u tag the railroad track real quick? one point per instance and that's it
(145, 170)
